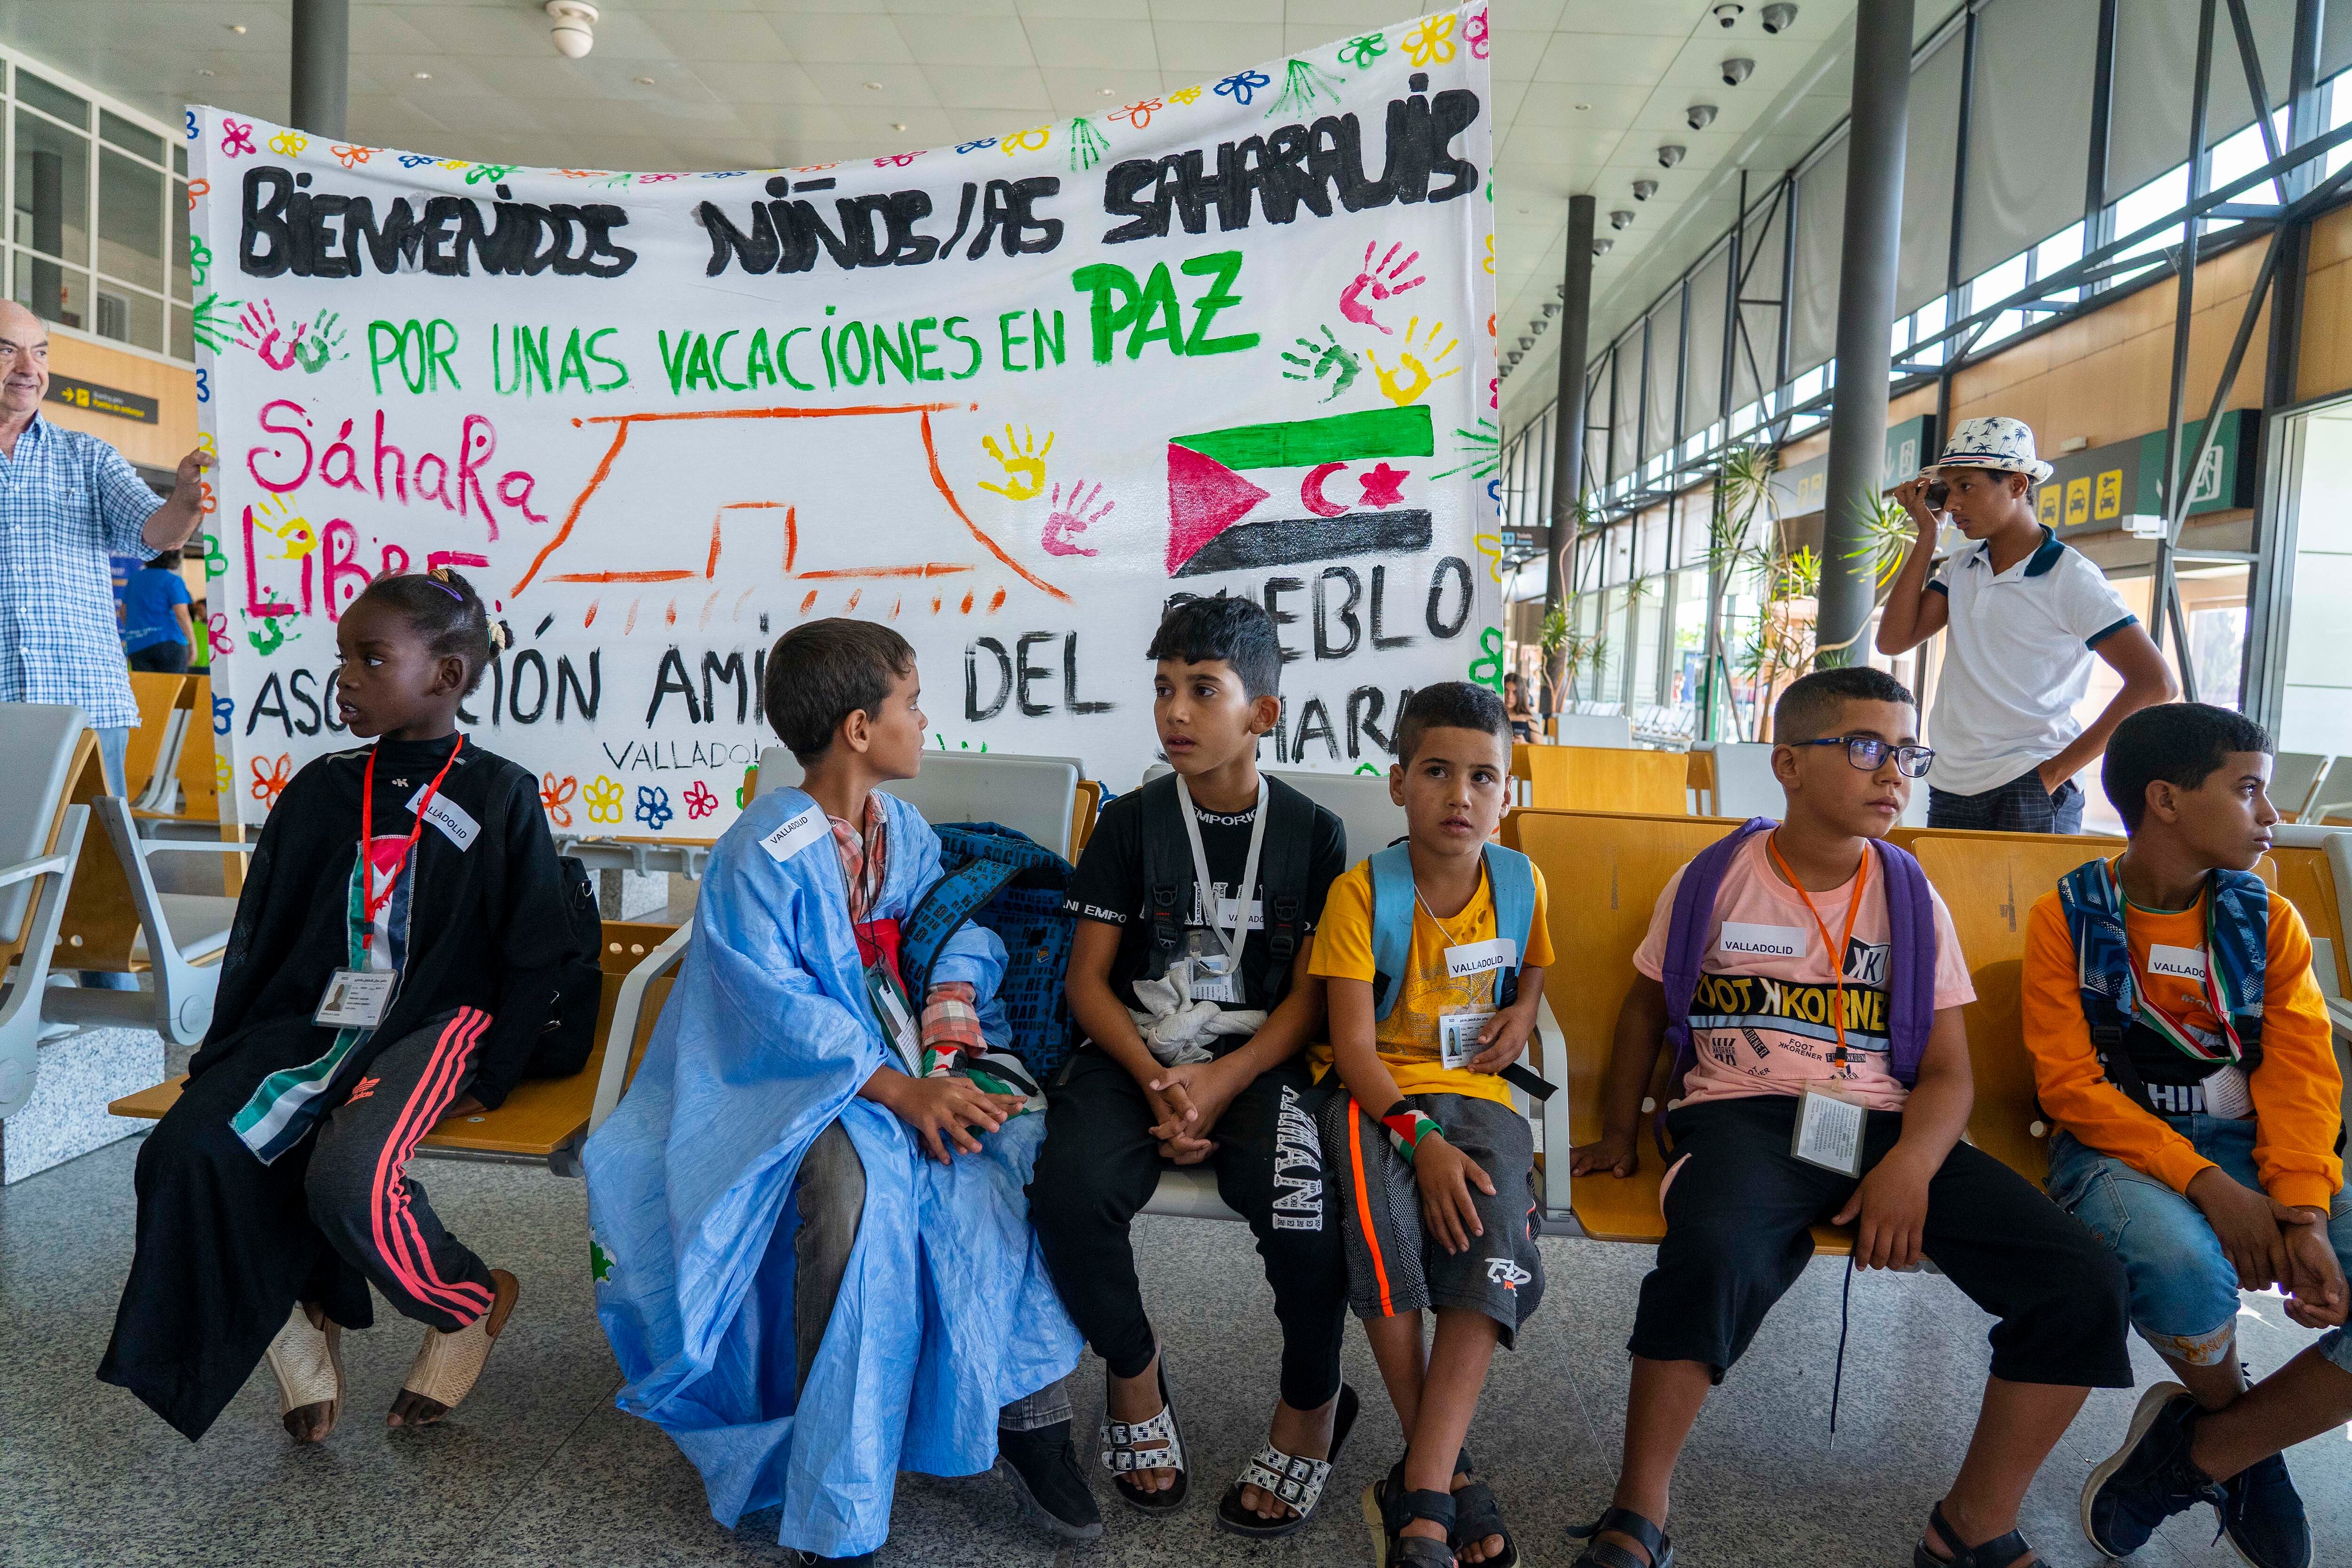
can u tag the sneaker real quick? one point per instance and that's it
(2150, 1478)
(1044, 1469)
(863, 1560)
(2262, 1516)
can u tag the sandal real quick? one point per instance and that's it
(1292, 1480)
(449, 1361)
(307, 1362)
(1999, 1552)
(1599, 1553)
(1122, 1456)
(1389, 1508)
(1478, 1516)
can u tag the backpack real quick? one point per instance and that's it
(1911, 961)
(1282, 870)
(570, 1033)
(1509, 874)
(2237, 937)
(1005, 881)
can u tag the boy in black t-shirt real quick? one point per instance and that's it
(1195, 900)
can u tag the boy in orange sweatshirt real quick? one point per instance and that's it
(2180, 1045)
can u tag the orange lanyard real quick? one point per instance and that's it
(1837, 958)
(371, 905)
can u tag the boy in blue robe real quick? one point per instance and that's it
(808, 1198)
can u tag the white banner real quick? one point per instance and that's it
(1011, 397)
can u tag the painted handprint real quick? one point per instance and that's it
(1023, 462)
(210, 325)
(653, 806)
(257, 329)
(1314, 360)
(269, 638)
(325, 342)
(556, 795)
(1381, 280)
(699, 802)
(1071, 517)
(1414, 374)
(603, 798)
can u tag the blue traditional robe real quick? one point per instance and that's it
(947, 1312)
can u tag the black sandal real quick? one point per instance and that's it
(1121, 1458)
(1599, 1553)
(1999, 1552)
(1389, 1508)
(1289, 1478)
(1478, 1516)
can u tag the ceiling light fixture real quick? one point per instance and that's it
(1102, 92)
(1621, 218)
(1700, 115)
(1671, 154)
(872, 86)
(425, 76)
(236, 27)
(1582, 106)
(1778, 18)
(1642, 191)
(1737, 70)
(574, 32)
(643, 81)
(204, 73)
(898, 125)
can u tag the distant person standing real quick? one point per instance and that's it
(67, 501)
(156, 629)
(2026, 614)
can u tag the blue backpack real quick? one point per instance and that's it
(1010, 884)
(1509, 874)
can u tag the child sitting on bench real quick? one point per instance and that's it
(1812, 983)
(1432, 953)
(809, 1202)
(2181, 1044)
(355, 1009)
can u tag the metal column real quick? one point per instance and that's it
(1569, 412)
(1865, 321)
(320, 67)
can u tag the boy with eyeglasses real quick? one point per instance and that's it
(1813, 983)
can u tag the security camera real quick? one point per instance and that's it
(1671, 154)
(1621, 218)
(1779, 18)
(1642, 191)
(1727, 12)
(1737, 70)
(574, 32)
(1700, 115)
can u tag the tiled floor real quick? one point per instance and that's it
(539, 1468)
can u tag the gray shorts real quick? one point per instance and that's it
(1392, 1268)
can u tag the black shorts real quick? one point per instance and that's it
(1392, 1267)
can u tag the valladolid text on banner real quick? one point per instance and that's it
(1011, 397)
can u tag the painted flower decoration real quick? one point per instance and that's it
(653, 806)
(699, 802)
(556, 795)
(268, 785)
(236, 137)
(976, 143)
(1139, 115)
(1431, 42)
(1187, 96)
(1242, 86)
(352, 157)
(1362, 52)
(1473, 33)
(603, 798)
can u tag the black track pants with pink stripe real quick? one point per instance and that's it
(227, 1244)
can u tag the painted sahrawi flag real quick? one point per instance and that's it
(1011, 397)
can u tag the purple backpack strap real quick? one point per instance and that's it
(1687, 940)
(1911, 961)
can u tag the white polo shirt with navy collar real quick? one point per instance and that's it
(2019, 659)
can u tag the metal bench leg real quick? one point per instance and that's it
(20, 1015)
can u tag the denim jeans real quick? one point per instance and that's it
(2021, 805)
(2184, 1294)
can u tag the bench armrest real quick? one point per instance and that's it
(621, 1039)
(1552, 1063)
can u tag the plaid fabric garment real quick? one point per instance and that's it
(67, 500)
(951, 1014)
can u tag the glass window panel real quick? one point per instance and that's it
(177, 259)
(2156, 60)
(51, 99)
(52, 292)
(183, 338)
(1755, 356)
(1703, 395)
(180, 160)
(112, 127)
(1923, 262)
(129, 219)
(2030, 121)
(1624, 404)
(128, 316)
(1661, 430)
(52, 210)
(1820, 231)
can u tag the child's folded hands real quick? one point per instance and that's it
(2318, 1297)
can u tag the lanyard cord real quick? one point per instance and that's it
(371, 905)
(1231, 942)
(1443, 932)
(1853, 907)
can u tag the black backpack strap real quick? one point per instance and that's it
(1167, 874)
(1284, 863)
(2109, 1043)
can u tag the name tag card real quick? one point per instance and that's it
(1458, 1037)
(1761, 940)
(1229, 911)
(456, 823)
(899, 1027)
(796, 835)
(1828, 1131)
(1474, 958)
(356, 998)
(2181, 963)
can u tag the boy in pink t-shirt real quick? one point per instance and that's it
(1796, 1000)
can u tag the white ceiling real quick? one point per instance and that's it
(1585, 92)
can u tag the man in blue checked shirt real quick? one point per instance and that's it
(67, 500)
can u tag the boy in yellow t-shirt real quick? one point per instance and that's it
(1437, 1193)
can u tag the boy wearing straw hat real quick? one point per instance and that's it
(2026, 615)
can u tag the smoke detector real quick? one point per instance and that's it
(1737, 70)
(1778, 18)
(574, 32)
(1670, 155)
(1642, 191)
(1700, 115)
(1621, 218)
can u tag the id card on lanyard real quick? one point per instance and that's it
(1218, 977)
(359, 998)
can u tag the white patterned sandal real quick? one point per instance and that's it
(1289, 1478)
(307, 1362)
(449, 1361)
(1153, 1444)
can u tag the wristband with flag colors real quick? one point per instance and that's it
(1407, 1127)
